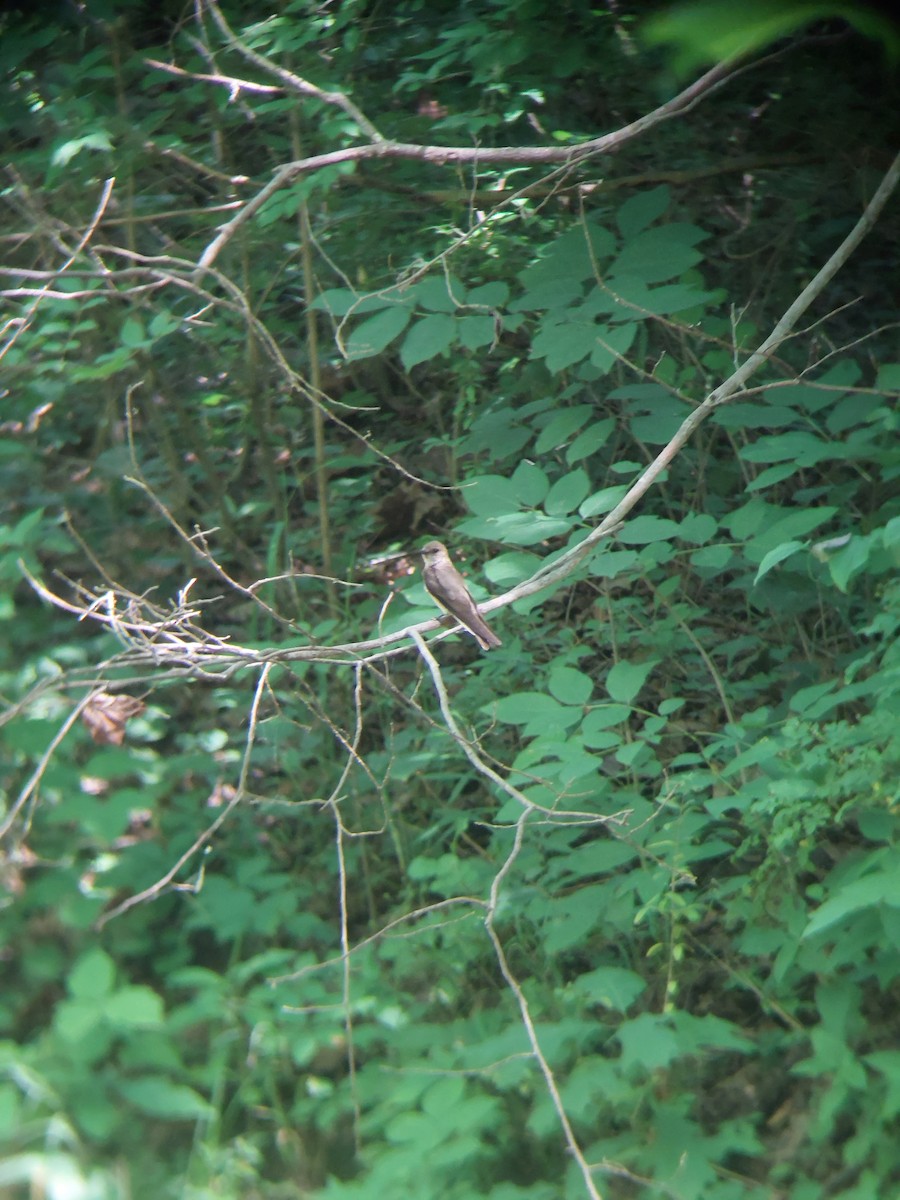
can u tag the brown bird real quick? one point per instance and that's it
(447, 589)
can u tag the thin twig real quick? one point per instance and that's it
(157, 888)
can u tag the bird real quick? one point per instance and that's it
(447, 589)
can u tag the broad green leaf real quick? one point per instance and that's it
(159, 1097)
(790, 527)
(76, 1020)
(561, 426)
(649, 1042)
(879, 887)
(642, 209)
(506, 570)
(550, 294)
(601, 719)
(490, 294)
(340, 301)
(92, 976)
(797, 446)
(570, 686)
(613, 987)
(530, 484)
(434, 294)
(132, 333)
(589, 441)
(99, 140)
(427, 338)
(491, 495)
(698, 527)
(762, 415)
(134, 1007)
(567, 258)
(371, 336)
(659, 415)
(807, 700)
(603, 501)
(611, 342)
(712, 558)
(610, 563)
(849, 561)
(706, 31)
(771, 476)
(536, 711)
(561, 345)
(777, 555)
(475, 332)
(516, 528)
(889, 377)
(660, 253)
(625, 679)
(567, 493)
(646, 529)
(677, 298)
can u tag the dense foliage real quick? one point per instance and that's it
(612, 910)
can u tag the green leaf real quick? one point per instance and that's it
(660, 253)
(568, 259)
(134, 1008)
(590, 440)
(99, 140)
(611, 342)
(530, 484)
(602, 719)
(561, 426)
(570, 686)
(712, 558)
(610, 563)
(698, 527)
(777, 555)
(765, 415)
(535, 710)
(92, 976)
(772, 475)
(797, 446)
(567, 493)
(132, 333)
(427, 338)
(707, 31)
(648, 1041)
(879, 887)
(613, 987)
(475, 332)
(492, 495)
(603, 501)
(562, 345)
(517, 529)
(848, 561)
(642, 209)
(340, 301)
(549, 295)
(790, 527)
(492, 295)
(643, 530)
(370, 337)
(434, 294)
(625, 679)
(808, 700)
(159, 1097)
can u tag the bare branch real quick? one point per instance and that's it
(239, 794)
(449, 155)
(289, 79)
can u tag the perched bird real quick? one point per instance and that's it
(447, 589)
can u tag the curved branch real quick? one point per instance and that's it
(454, 155)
